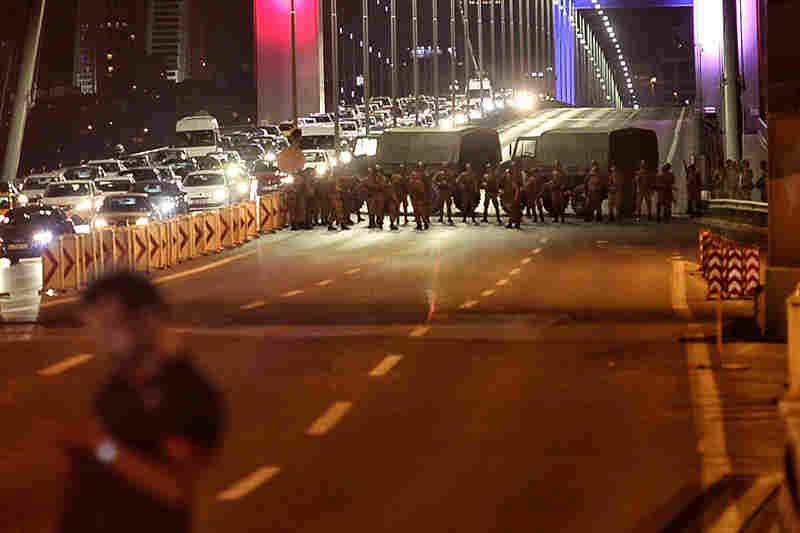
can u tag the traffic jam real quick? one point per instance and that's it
(209, 168)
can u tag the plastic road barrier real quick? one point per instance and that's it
(52, 273)
(70, 262)
(140, 248)
(199, 231)
(212, 232)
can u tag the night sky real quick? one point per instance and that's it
(644, 33)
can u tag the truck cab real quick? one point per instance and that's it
(198, 135)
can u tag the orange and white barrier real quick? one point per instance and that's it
(213, 231)
(70, 262)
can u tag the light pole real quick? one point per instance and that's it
(480, 50)
(335, 73)
(294, 63)
(365, 58)
(494, 41)
(503, 49)
(453, 54)
(393, 32)
(467, 50)
(528, 47)
(435, 60)
(521, 34)
(415, 57)
(513, 59)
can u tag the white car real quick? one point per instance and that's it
(318, 160)
(207, 189)
(112, 167)
(80, 199)
(348, 129)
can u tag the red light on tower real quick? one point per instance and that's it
(273, 56)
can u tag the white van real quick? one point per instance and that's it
(198, 135)
(319, 138)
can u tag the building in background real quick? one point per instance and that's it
(177, 33)
(108, 44)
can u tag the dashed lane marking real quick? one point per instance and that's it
(487, 292)
(544, 240)
(329, 418)
(419, 331)
(65, 365)
(468, 305)
(248, 484)
(514, 272)
(501, 282)
(680, 303)
(385, 366)
(602, 242)
(253, 305)
(352, 271)
(536, 251)
(526, 261)
(292, 293)
(324, 283)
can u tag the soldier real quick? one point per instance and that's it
(747, 181)
(299, 209)
(445, 182)
(391, 199)
(338, 195)
(427, 180)
(644, 191)
(665, 183)
(763, 180)
(693, 186)
(491, 191)
(594, 193)
(613, 190)
(376, 184)
(534, 188)
(556, 186)
(401, 188)
(416, 189)
(515, 184)
(468, 188)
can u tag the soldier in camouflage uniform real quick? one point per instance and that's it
(416, 188)
(468, 189)
(594, 193)
(613, 192)
(391, 201)
(338, 195)
(534, 189)
(445, 181)
(491, 188)
(556, 185)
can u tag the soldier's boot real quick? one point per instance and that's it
(485, 213)
(510, 224)
(499, 220)
(331, 227)
(516, 226)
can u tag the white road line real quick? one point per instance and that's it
(536, 251)
(501, 282)
(676, 137)
(515, 272)
(487, 292)
(292, 293)
(65, 365)
(602, 242)
(419, 331)
(253, 305)
(544, 240)
(329, 418)
(680, 304)
(385, 366)
(468, 305)
(526, 261)
(248, 484)
(215, 264)
(324, 282)
(352, 271)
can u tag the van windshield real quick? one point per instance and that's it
(317, 142)
(197, 138)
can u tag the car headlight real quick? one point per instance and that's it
(288, 180)
(322, 169)
(168, 203)
(43, 237)
(142, 221)
(220, 195)
(243, 188)
(100, 223)
(84, 205)
(232, 171)
(345, 157)
(271, 156)
(4, 220)
(22, 199)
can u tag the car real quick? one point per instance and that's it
(169, 197)
(34, 185)
(84, 172)
(251, 152)
(143, 174)
(209, 162)
(168, 175)
(271, 129)
(111, 185)
(207, 189)
(10, 197)
(138, 161)
(112, 167)
(348, 129)
(318, 160)
(286, 127)
(79, 198)
(182, 167)
(25, 231)
(126, 209)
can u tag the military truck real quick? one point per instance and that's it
(576, 148)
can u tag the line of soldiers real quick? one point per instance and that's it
(334, 201)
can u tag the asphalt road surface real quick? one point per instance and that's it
(460, 379)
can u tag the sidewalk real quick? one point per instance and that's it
(747, 380)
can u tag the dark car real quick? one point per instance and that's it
(124, 184)
(85, 172)
(25, 231)
(182, 167)
(142, 174)
(169, 197)
(127, 209)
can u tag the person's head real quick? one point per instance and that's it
(667, 167)
(729, 162)
(643, 164)
(124, 313)
(420, 165)
(746, 163)
(763, 165)
(595, 165)
(557, 164)
(469, 167)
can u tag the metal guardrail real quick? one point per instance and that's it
(745, 206)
